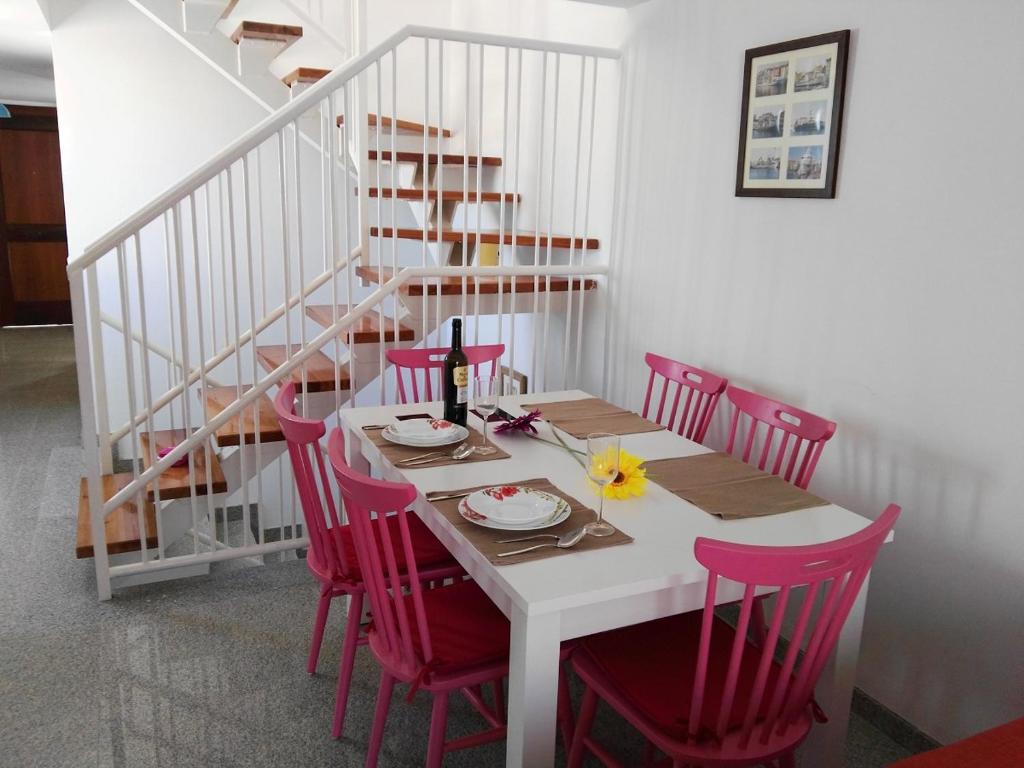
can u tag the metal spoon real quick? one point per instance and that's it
(536, 536)
(461, 452)
(565, 541)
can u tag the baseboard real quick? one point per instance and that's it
(903, 732)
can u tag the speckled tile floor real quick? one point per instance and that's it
(208, 671)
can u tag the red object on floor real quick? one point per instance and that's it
(1001, 747)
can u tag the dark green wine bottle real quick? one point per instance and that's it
(456, 379)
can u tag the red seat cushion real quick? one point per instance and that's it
(653, 665)
(466, 629)
(1001, 747)
(428, 551)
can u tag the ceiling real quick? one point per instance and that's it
(24, 39)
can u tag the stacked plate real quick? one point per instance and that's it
(424, 433)
(514, 508)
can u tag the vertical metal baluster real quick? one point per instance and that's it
(236, 319)
(209, 262)
(221, 196)
(381, 315)
(572, 234)
(332, 193)
(301, 259)
(439, 239)
(515, 211)
(465, 193)
(501, 211)
(324, 180)
(172, 376)
(536, 231)
(211, 515)
(586, 222)
(147, 392)
(352, 388)
(394, 204)
(258, 166)
(282, 171)
(140, 502)
(186, 404)
(479, 193)
(551, 222)
(257, 422)
(425, 174)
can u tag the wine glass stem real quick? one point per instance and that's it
(486, 443)
(600, 505)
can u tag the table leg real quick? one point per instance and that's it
(532, 690)
(826, 746)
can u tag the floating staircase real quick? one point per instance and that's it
(353, 359)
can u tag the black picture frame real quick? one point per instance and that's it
(780, 142)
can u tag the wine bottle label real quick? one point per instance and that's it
(461, 375)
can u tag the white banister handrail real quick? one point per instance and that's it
(293, 110)
(387, 288)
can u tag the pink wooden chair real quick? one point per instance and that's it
(442, 640)
(794, 460)
(703, 694)
(430, 359)
(702, 392)
(331, 557)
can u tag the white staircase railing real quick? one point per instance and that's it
(226, 275)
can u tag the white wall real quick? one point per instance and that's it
(26, 67)
(893, 309)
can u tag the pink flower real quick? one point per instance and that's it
(520, 424)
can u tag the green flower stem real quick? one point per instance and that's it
(572, 452)
(559, 444)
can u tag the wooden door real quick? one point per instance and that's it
(33, 236)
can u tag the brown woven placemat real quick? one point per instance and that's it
(395, 453)
(484, 539)
(727, 487)
(592, 414)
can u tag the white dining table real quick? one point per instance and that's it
(559, 598)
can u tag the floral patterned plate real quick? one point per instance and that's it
(511, 507)
(424, 433)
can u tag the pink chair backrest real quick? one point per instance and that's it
(796, 459)
(702, 392)
(421, 362)
(397, 603)
(833, 572)
(311, 479)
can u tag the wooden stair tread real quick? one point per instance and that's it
(452, 286)
(525, 239)
(219, 398)
(404, 126)
(447, 158)
(262, 30)
(449, 195)
(304, 75)
(174, 483)
(319, 368)
(122, 523)
(367, 328)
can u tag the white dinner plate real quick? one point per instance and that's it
(513, 504)
(424, 435)
(561, 515)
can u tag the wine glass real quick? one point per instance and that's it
(602, 468)
(485, 400)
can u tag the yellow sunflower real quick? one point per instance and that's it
(631, 479)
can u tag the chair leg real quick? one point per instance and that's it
(498, 689)
(438, 726)
(348, 660)
(583, 724)
(318, 630)
(380, 717)
(787, 761)
(566, 720)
